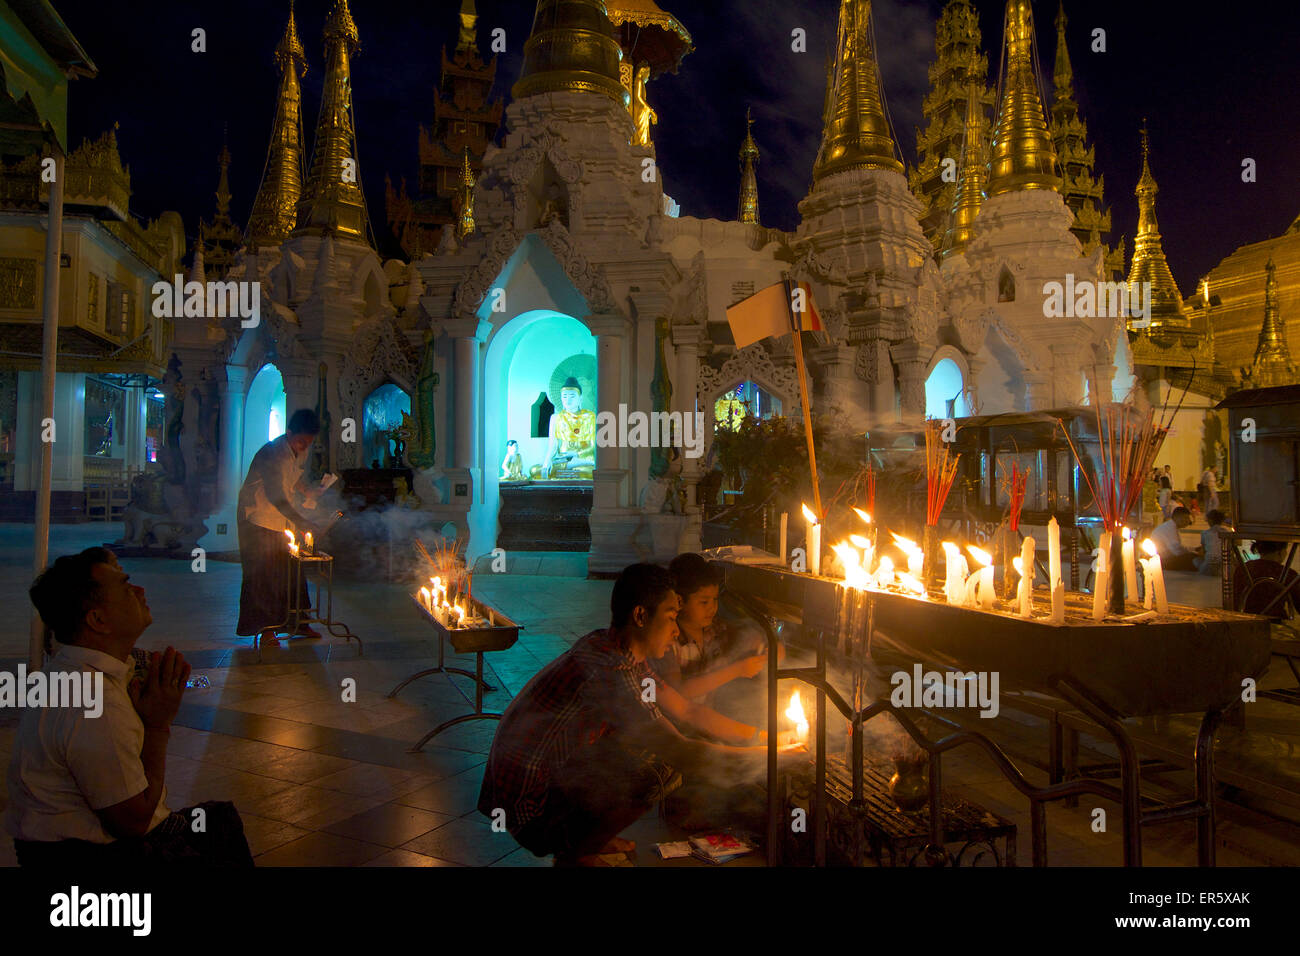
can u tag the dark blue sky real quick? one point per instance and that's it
(1217, 85)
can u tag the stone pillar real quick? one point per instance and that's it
(468, 336)
(135, 422)
(686, 342)
(840, 387)
(613, 523)
(1038, 390)
(223, 535)
(299, 377)
(912, 358)
(877, 376)
(972, 386)
(610, 331)
(1067, 376)
(67, 466)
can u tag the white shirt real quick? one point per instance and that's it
(1209, 480)
(1167, 539)
(65, 765)
(274, 468)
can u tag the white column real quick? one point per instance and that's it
(60, 462)
(466, 365)
(686, 340)
(610, 331)
(223, 535)
(135, 415)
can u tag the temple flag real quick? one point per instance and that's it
(776, 310)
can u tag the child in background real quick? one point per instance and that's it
(1211, 559)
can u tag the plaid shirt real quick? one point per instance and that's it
(590, 690)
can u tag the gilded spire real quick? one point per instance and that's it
(970, 180)
(223, 182)
(465, 221)
(1149, 264)
(332, 201)
(572, 49)
(1272, 364)
(468, 28)
(748, 210)
(1064, 74)
(275, 209)
(1023, 155)
(857, 134)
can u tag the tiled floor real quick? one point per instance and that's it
(324, 781)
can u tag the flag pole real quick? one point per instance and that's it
(803, 395)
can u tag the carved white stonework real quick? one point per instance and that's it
(587, 278)
(379, 353)
(690, 295)
(753, 363)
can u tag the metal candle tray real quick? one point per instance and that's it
(472, 640)
(1191, 660)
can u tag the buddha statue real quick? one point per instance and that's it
(571, 451)
(512, 466)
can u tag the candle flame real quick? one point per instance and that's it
(1125, 533)
(1018, 565)
(951, 550)
(794, 713)
(906, 545)
(809, 515)
(1149, 547)
(981, 556)
(911, 583)
(855, 575)
(863, 515)
(859, 541)
(293, 541)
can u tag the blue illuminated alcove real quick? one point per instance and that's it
(381, 414)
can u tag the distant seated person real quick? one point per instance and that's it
(1265, 585)
(592, 741)
(707, 653)
(86, 784)
(1169, 543)
(1211, 559)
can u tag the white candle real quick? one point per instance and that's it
(885, 572)
(1027, 548)
(1024, 590)
(1058, 603)
(814, 541)
(785, 520)
(955, 578)
(1053, 555)
(983, 578)
(1148, 584)
(1102, 578)
(1130, 566)
(425, 598)
(1156, 575)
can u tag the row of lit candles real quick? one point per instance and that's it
(967, 588)
(434, 600)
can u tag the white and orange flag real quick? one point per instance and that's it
(779, 309)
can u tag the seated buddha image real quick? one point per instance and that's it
(571, 451)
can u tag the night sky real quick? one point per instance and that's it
(1217, 86)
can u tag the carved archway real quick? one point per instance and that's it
(379, 353)
(750, 364)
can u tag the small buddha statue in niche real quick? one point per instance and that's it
(571, 451)
(512, 467)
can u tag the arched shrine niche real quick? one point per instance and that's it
(748, 400)
(265, 414)
(550, 401)
(945, 391)
(381, 423)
